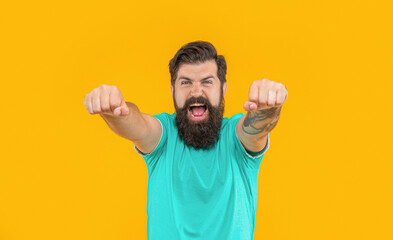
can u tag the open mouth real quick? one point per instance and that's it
(197, 111)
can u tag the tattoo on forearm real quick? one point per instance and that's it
(260, 121)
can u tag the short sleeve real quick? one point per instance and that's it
(250, 159)
(151, 158)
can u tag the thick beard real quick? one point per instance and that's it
(204, 133)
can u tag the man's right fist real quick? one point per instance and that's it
(106, 99)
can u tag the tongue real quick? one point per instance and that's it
(198, 111)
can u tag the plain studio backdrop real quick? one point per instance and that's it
(65, 175)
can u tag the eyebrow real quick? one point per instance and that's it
(211, 76)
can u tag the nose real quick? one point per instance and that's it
(196, 90)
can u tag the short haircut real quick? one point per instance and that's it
(197, 52)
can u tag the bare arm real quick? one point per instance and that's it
(141, 128)
(253, 128)
(265, 100)
(124, 118)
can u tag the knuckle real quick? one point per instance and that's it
(95, 92)
(264, 81)
(115, 88)
(96, 109)
(262, 101)
(115, 102)
(105, 107)
(253, 98)
(281, 86)
(254, 83)
(260, 83)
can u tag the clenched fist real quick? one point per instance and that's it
(264, 94)
(106, 99)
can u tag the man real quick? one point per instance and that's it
(203, 168)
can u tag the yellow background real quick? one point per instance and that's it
(65, 175)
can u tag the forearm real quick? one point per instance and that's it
(259, 123)
(132, 126)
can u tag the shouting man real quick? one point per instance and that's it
(203, 168)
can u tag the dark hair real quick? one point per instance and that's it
(197, 52)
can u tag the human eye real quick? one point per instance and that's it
(208, 82)
(184, 82)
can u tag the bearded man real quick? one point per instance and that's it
(203, 168)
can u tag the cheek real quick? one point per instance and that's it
(180, 99)
(215, 98)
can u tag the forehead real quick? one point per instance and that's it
(198, 70)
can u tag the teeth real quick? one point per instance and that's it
(197, 104)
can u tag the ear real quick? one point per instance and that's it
(172, 89)
(224, 89)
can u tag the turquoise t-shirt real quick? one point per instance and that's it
(201, 194)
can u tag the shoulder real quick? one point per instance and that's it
(229, 122)
(228, 125)
(236, 117)
(165, 119)
(233, 143)
(165, 116)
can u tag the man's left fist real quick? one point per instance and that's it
(264, 94)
